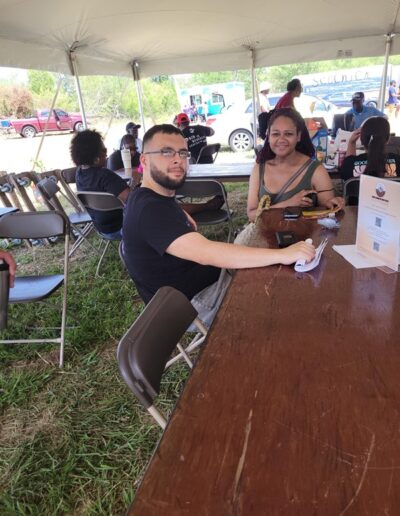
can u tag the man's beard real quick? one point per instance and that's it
(164, 180)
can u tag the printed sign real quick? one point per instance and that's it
(378, 225)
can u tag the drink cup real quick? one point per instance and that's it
(4, 293)
(126, 160)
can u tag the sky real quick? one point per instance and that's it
(14, 74)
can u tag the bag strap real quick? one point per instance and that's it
(290, 181)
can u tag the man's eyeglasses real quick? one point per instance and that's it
(167, 152)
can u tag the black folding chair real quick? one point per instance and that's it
(208, 153)
(198, 189)
(80, 221)
(101, 201)
(145, 348)
(27, 289)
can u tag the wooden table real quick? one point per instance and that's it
(225, 172)
(294, 405)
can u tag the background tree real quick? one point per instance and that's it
(15, 101)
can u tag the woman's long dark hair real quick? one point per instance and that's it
(304, 146)
(375, 133)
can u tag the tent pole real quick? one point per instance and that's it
(136, 78)
(382, 90)
(254, 96)
(60, 80)
(74, 71)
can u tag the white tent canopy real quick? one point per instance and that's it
(182, 37)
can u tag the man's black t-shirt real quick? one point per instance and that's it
(97, 179)
(151, 223)
(196, 136)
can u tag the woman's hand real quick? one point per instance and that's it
(355, 136)
(298, 251)
(335, 202)
(301, 200)
(7, 257)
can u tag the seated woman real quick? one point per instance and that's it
(285, 170)
(114, 161)
(374, 133)
(89, 154)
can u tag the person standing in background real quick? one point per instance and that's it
(294, 89)
(265, 106)
(393, 100)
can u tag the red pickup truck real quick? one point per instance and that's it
(59, 121)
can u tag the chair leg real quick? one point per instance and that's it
(157, 416)
(83, 236)
(101, 258)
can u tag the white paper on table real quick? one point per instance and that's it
(357, 259)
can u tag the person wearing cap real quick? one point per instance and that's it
(132, 128)
(265, 106)
(359, 111)
(196, 136)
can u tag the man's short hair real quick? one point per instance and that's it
(160, 128)
(358, 95)
(86, 147)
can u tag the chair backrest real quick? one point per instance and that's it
(49, 189)
(393, 145)
(114, 161)
(145, 348)
(351, 188)
(36, 224)
(207, 152)
(101, 201)
(69, 175)
(201, 188)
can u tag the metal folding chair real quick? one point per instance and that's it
(101, 201)
(198, 189)
(27, 289)
(145, 348)
(208, 153)
(49, 190)
(197, 340)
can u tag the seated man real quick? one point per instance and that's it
(89, 155)
(360, 112)
(114, 161)
(161, 244)
(196, 136)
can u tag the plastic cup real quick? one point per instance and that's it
(127, 161)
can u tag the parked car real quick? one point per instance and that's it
(59, 121)
(343, 99)
(233, 127)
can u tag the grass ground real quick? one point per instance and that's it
(75, 441)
